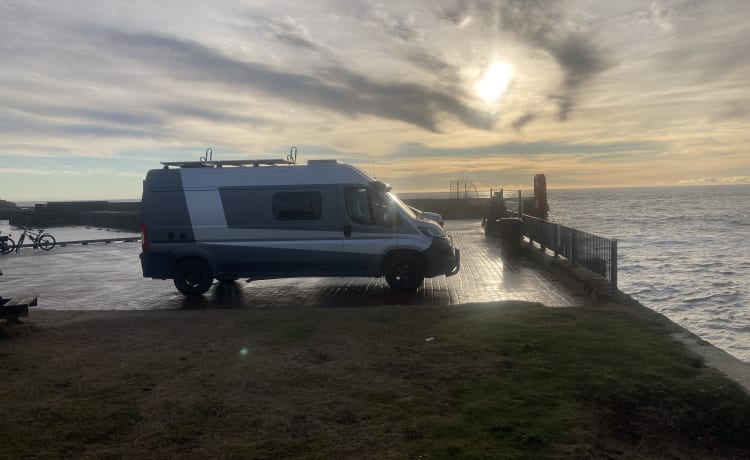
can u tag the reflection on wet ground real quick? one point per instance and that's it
(108, 277)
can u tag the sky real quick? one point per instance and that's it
(592, 93)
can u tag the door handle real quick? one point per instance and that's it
(347, 230)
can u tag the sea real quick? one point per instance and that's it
(683, 251)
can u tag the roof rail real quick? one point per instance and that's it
(222, 163)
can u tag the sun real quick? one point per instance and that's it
(495, 81)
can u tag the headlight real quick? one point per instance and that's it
(432, 230)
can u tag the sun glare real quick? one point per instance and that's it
(495, 81)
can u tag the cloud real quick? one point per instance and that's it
(717, 180)
(541, 25)
(28, 124)
(604, 151)
(334, 87)
(710, 44)
(69, 172)
(287, 30)
(404, 27)
(186, 109)
(456, 13)
(434, 65)
(522, 121)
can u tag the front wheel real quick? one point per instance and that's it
(192, 276)
(7, 246)
(405, 272)
(47, 242)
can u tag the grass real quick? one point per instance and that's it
(498, 380)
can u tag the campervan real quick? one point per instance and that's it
(266, 219)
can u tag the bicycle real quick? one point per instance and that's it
(43, 241)
(7, 245)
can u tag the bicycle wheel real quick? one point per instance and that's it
(46, 242)
(7, 246)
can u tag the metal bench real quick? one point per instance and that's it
(12, 309)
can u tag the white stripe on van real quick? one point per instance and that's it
(205, 208)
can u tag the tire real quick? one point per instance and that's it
(46, 242)
(192, 276)
(8, 246)
(405, 272)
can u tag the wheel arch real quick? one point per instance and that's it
(399, 251)
(186, 252)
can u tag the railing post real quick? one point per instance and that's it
(540, 225)
(520, 205)
(573, 247)
(557, 241)
(613, 262)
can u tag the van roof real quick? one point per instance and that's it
(318, 172)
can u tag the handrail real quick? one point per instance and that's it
(590, 251)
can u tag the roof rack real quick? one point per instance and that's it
(222, 163)
(206, 161)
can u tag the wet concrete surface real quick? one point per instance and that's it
(108, 277)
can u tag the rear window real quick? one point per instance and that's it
(297, 205)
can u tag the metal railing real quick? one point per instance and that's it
(593, 252)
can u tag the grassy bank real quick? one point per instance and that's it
(500, 380)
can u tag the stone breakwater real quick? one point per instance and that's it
(126, 215)
(452, 208)
(104, 214)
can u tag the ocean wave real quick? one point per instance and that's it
(723, 283)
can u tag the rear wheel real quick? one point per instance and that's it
(405, 272)
(47, 242)
(7, 246)
(192, 276)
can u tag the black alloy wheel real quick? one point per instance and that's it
(405, 272)
(192, 276)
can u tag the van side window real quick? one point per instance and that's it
(364, 206)
(357, 201)
(296, 205)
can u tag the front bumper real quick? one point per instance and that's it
(443, 258)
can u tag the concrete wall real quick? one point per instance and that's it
(453, 208)
(122, 216)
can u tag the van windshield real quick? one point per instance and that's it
(402, 205)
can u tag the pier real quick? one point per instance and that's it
(82, 275)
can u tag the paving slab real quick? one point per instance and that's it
(108, 277)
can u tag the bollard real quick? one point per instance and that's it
(509, 230)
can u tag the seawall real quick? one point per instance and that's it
(596, 288)
(452, 208)
(107, 214)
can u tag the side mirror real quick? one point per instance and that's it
(381, 187)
